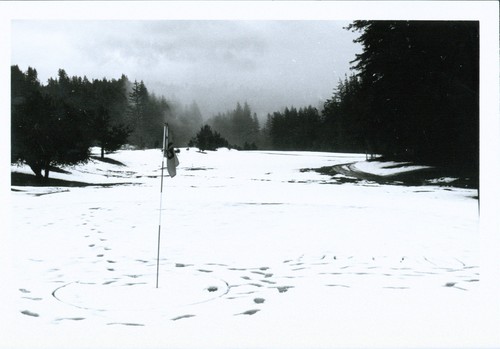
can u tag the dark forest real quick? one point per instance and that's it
(413, 95)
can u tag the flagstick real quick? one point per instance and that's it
(165, 135)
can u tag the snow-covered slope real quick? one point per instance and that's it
(254, 253)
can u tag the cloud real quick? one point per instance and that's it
(271, 64)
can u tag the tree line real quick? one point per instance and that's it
(57, 123)
(239, 126)
(238, 129)
(413, 94)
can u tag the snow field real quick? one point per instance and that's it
(254, 253)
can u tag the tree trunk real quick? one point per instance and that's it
(102, 152)
(36, 168)
(47, 164)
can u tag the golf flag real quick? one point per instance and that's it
(169, 153)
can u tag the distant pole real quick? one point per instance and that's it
(165, 136)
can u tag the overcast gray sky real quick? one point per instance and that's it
(269, 64)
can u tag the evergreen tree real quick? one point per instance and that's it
(146, 114)
(154, 118)
(103, 104)
(265, 137)
(138, 103)
(344, 118)
(186, 120)
(107, 103)
(294, 129)
(421, 83)
(223, 123)
(109, 136)
(206, 139)
(238, 125)
(46, 130)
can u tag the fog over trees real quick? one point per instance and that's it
(413, 94)
(57, 123)
(270, 64)
(239, 126)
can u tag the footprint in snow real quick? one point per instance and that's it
(135, 283)
(282, 289)
(249, 312)
(182, 265)
(217, 264)
(268, 282)
(454, 285)
(33, 298)
(267, 275)
(71, 318)
(182, 317)
(339, 285)
(29, 313)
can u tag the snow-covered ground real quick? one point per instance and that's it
(254, 253)
(386, 168)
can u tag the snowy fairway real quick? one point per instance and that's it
(254, 253)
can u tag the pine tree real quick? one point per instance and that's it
(138, 100)
(238, 125)
(345, 118)
(420, 82)
(46, 129)
(206, 139)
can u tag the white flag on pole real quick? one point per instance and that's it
(169, 153)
